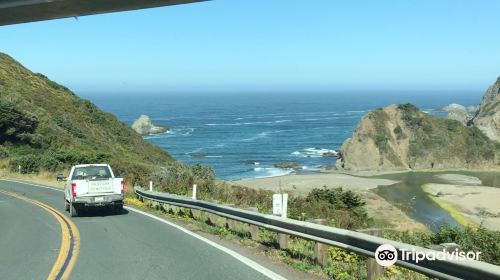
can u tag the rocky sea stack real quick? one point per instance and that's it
(143, 126)
(460, 113)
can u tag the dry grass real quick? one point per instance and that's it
(43, 177)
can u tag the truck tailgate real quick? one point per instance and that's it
(100, 186)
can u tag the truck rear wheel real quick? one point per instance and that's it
(66, 205)
(73, 210)
(118, 208)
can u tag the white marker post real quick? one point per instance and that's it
(194, 192)
(150, 186)
(284, 206)
(19, 167)
(277, 204)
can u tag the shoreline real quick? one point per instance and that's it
(469, 205)
(365, 173)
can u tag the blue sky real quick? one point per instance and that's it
(278, 45)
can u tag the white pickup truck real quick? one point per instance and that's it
(93, 185)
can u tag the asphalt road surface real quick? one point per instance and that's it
(126, 246)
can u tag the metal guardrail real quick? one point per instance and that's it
(357, 242)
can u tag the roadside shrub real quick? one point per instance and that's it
(470, 239)
(4, 153)
(344, 265)
(173, 178)
(203, 176)
(240, 196)
(481, 239)
(28, 163)
(340, 208)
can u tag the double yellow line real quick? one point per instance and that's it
(70, 240)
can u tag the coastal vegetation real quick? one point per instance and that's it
(477, 239)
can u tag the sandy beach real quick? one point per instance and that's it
(377, 207)
(477, 204)
(303, 184)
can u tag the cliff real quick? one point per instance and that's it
(401, 137)
(488, 116)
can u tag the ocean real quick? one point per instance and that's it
(242, 135)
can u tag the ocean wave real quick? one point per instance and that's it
(314, 152)
(173, 132)
(197, 150)
(256, 137)
(311, 168)
(266, 172)
(246, 123)
(321, 119)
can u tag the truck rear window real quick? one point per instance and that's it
(91, 172)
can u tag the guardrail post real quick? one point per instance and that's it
(195, 214)
(283, 240)
(254, 232)
(155, 204)
(320, 249)
(374, 270)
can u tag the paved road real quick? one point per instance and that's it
(127, 246)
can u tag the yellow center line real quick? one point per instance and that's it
(70, 240)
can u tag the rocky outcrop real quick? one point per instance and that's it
(488, 116)
(143, 126)
(460, 113)
(401, 137)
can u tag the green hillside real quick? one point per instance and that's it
(44, 126)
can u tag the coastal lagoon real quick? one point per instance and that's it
(409, 196)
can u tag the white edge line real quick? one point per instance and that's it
(252, 264)
(237, 256)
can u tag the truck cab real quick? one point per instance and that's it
(93, 185)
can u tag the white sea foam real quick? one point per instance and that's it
(260, 135)
(173, 132)
(197, 150)
(311, 168)
(321, 119)
(266, 172)
(246, 123)
(314, 152)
